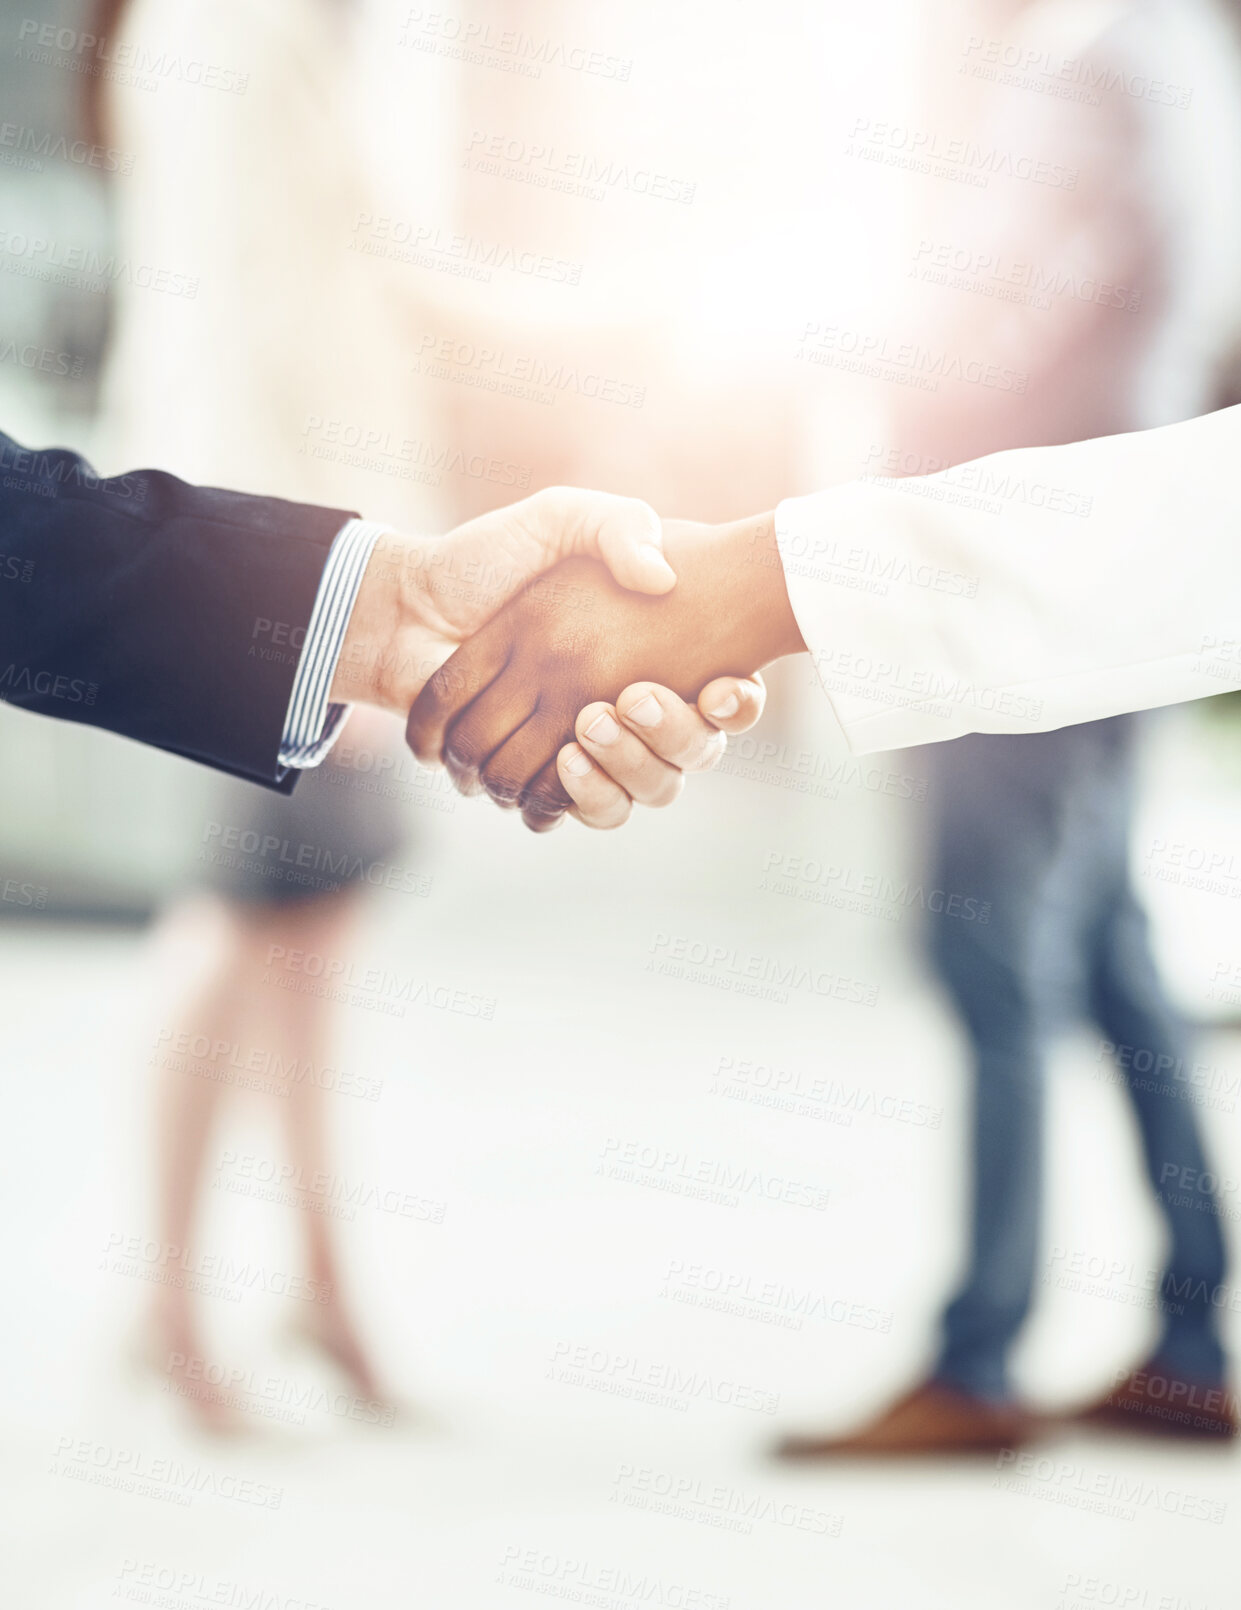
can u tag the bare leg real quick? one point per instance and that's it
(300, 1027)
(197, 945)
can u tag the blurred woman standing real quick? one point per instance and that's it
(273, 367)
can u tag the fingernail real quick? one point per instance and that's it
(647, 711)
(576, 763)
(603, 730)
(726, 707)
(655, 565)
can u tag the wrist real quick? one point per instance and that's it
(761, 596)
(744, 602)
(391, 645)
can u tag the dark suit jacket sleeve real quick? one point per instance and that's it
(167, 613)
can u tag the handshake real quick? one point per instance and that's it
(568, 653)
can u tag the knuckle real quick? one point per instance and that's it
(687, 756)
(446, 683)
(710, 752)
(668, 792)
(459, 752)
(465, 782)
(546, 797)
(599, 799)
(553, 502)
(604, 818)
(541, 816)
(502, 786)
(639, 510)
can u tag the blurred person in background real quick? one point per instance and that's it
(652, 394)
(1120, 298)
(254, 192)
(290, 331)
(292, 346)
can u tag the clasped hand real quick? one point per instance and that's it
(568, 654)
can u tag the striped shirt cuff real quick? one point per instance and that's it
(312, 724)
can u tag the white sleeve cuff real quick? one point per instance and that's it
(1028, 590)
(865, 593)
(312, 724)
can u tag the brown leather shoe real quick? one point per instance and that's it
(1155, 1403)
(931, 1419)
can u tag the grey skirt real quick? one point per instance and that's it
(339, 828)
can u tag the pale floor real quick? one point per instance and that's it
(593, 1427)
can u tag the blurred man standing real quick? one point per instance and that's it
(1116, 295)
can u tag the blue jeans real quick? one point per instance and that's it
(1038, 825)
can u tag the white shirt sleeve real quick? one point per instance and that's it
(312, 724)
(1027, 590)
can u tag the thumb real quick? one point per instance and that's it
(462, 579)
(626, 534)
